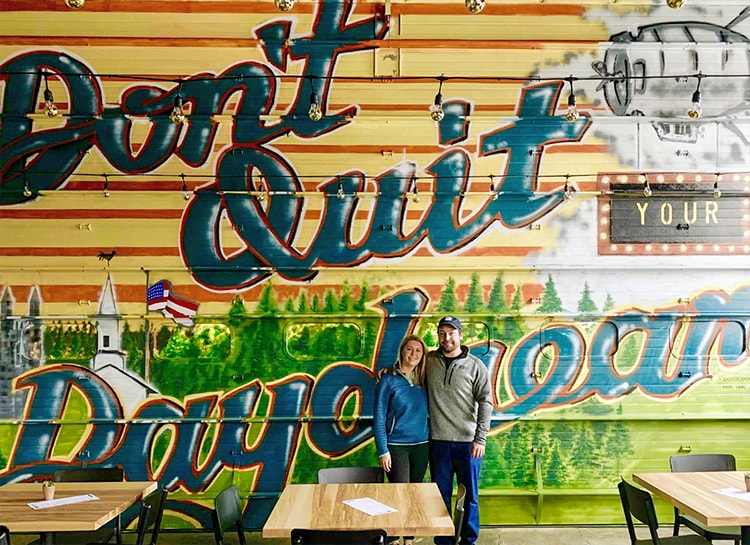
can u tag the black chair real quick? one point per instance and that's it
(4, 535)
(85, 475)
(227, 512)
(639, 504)
(356, 474)
(89, 474)
(458, 512)
(704, 462)
(149, 517)
(338, 537)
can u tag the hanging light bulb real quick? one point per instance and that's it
(74, 4)
(647, 192)
(695, 110)
(567, 193)
(493, 190)
(572, 113)
(260, 194)
(315, 113)
(26, 189)
(340, 192)
(717, 191)
(178, 114)
(675, 4)
(414, 191)
(284, 5)
(185, 191)
(436, 108)
(49, 101)
(475, 6)
(105, 191)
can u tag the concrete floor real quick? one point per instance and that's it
(510, 535)
(507, 535)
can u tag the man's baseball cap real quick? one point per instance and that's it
(451, 321)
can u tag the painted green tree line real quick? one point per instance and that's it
(262, 343)
(557, 454)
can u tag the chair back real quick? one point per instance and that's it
(702, 462)
(338, 537)
(4, 535)
(227, 511)
(89, 474)
(639, 504)
(95, 474)
(458, 513)
(149, 517)
(357, 474)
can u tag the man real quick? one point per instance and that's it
(460, 403)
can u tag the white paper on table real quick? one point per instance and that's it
(62, 501)
(734, 493)
(370, 506)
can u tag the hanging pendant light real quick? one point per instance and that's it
(572, 113)
(695, 110)
(436, 108)
(49, 100)
(314, 113)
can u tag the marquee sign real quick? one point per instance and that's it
(673, 213)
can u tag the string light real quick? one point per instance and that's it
(49, 101)
(572, 113)
(695, 110)
(675, 4)
(436, 108)
(258, 186)
(74, 4)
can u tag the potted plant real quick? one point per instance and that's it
(48, 489)
(747, 480)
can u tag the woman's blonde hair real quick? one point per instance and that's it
(419, 370)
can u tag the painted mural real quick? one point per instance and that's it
(205, 297)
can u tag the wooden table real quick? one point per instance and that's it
(695, 494)
(421, 511)
(114, 498)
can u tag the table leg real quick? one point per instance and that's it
(47, 538)
(745, 531)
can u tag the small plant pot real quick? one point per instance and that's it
(747, 484)
(49, 492)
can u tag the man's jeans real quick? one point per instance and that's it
(449, 458)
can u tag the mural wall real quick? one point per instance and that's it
(208, 301)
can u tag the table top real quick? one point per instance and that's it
(114, 498)
(695, 494)
(421, 511)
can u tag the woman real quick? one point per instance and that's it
(401, 417)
